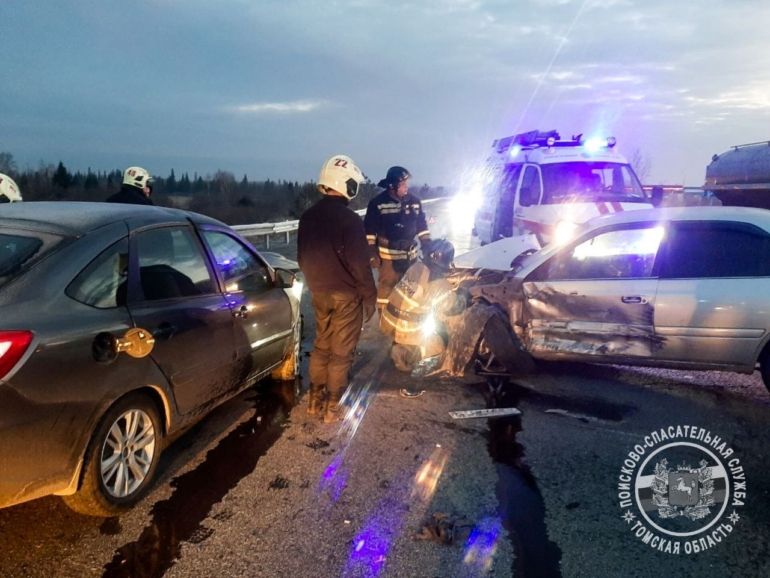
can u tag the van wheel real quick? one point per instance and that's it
(120, 460)
(289, 369)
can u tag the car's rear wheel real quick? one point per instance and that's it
(289, 369)
(120, 459)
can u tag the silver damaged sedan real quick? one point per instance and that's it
(685, 288)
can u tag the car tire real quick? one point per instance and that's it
(132, 426)
(289, 369)
(506, 350)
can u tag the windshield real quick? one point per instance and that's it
(19, 251)
(590, 182)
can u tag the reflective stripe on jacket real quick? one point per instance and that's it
(413, 300)
(393, 224)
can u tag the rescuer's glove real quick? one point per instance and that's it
(374, 257)
(369, 310)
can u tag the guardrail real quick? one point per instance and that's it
(267, 229)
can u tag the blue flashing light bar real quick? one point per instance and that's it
(533, 139)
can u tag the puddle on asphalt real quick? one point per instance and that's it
(521, 505)
(179, 518)
(591, 407)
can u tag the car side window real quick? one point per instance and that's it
(171, 264)
(103, 282)
(239, 267)
(617, 254)
(714, 250)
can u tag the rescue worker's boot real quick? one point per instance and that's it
(334, 411)
(315, 398)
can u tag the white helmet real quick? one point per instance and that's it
(340, 174)
(9, 190)
(136, 177)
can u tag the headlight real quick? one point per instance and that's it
(429, 325)
(563, 232)
(296, 289)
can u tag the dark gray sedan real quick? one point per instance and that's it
(119, 325)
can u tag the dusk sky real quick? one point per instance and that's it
(272, 88)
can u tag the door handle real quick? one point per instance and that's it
(634, 300)
(163, 331)
(241, 313)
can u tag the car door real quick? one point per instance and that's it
(174, 295)
(261, 309)
(595, 297)
(711, 304)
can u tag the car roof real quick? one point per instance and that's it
(77, 218)
(759, 217)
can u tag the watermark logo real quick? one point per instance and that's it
(681, 508)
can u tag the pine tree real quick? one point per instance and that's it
(62, 177)
(91, 181)
(171, 186)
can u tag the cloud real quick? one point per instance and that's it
(298, 106)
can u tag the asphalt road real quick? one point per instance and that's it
(259, 488)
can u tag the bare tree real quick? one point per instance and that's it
(641, 163)
(7, 164)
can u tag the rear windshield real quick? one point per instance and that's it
(19, 251)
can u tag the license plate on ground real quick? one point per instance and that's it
(494, 412)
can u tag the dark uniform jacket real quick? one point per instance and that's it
(392, 225)
(130, 196)
(332, 251)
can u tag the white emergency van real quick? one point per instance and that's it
(537, 183)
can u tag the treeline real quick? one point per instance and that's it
(221, 195)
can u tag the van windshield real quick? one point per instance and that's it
(577, 182)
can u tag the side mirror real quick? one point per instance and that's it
(284, 279)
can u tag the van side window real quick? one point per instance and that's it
(504, 227)
(712, 250)
(529, 193)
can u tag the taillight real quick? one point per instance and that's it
(13, 345)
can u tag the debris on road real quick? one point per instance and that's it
(494, 412)
(446, 529)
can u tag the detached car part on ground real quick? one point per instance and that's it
(683, 288)
(120, 325)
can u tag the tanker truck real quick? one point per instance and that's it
(741, 176)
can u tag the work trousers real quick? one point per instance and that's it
(388, 276)
(339, 318)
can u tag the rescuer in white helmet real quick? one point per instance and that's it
(136, 188)
(9, 190)
(332, 253)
